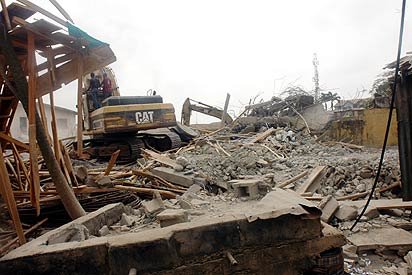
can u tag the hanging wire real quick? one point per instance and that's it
(388, 124)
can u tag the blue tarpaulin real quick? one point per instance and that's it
(76, 32)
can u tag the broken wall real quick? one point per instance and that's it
(364, 127)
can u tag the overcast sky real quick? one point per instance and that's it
(204, 49)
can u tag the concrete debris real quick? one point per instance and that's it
(346, 212)
(126, 220)
(246, 188)
(154, 206)
(81, 173)
(104, 231)
(74, 233)
(408, 259)
(370, 213)
(172, 216)
(182, 161)
(384, 238)
(104, 181)
(173, 176)
(329, 205)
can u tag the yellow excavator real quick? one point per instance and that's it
(130, 123)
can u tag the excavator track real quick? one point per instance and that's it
(130, 146)
(162, 139)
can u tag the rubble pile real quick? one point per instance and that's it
(226, 172)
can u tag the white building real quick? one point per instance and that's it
(66, 123)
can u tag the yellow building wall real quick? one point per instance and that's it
(366, 127)
(375, 125)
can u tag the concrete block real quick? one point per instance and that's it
(248, 188)
(346, 212)
(172, 216)
(173, 176)
(154, 206)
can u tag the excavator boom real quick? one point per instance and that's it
(203, 108)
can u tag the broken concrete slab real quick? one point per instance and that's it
(191, 192)
(329, 205)
(381, 204)
(104, 231)
(370, 213)
(172, 216)
(346, 212)
(184, 204)
(154, 206)
(173, 176)
(73, 233)
(126, 220)
(385, 238)
(286, 243)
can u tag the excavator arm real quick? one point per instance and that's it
(203, 108)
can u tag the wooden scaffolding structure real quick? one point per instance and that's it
(50, 57)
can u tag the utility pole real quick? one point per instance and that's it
(315, 63)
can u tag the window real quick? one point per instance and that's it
(23, 125)
(62, 123)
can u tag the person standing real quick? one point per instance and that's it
(106, 86)
(94, 88)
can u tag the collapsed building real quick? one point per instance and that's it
(275, 190)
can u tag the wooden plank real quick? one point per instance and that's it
(64, 169)
(6, 14)
(43, 116)
(112, 162)
(66, 73)
(382, 204)
(7, 194)
(35, 180)
(365, 193)
(28, 231)
(16, 142)
(312, 183)
(163, 159)
(44, 12)
(147, 191)
(262, 136)
(293, 179)
(68, 163)
(79, 106)
(19, 10)
(17, 163)
(21, 163)
(57, 61)
(62, 11)
(56, 145)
